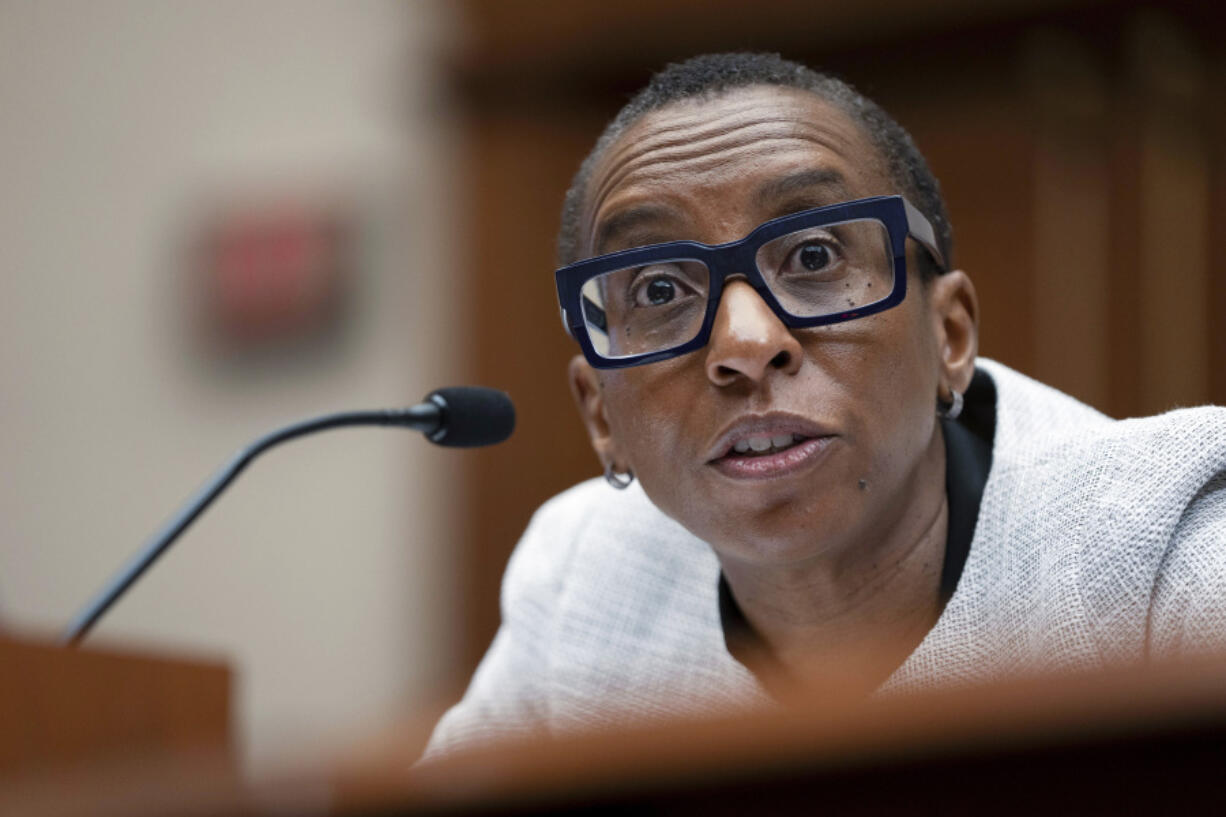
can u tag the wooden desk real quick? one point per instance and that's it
(1149, 741)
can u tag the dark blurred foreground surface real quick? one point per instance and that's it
(1124, 741)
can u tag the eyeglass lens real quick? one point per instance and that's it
(812, 272)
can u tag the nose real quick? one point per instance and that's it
(748, 340)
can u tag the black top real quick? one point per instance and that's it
(968, 458)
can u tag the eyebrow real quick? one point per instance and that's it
(808, 188)
(618, 226)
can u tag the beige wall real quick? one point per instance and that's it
(317, 575)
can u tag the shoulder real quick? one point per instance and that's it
(595, 536)
(592, 502)
(592, 510)
(1027, 408)
(1189, 603)
(563, 607)
(1044, 430)
(1099, 522)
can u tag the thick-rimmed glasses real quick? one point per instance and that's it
(816, 267)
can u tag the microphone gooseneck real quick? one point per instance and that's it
(463, 416)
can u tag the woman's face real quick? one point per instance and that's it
(850, 407)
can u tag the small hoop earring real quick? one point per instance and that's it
(953, 408)
(619, 481)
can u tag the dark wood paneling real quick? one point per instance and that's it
(1217, 226)
(511, 48)
(538, 80)
(973, 130)
(519, 162)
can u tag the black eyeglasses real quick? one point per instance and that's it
(816, 267)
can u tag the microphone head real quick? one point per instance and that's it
(472, 416)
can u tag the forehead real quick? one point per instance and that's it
(746, 153)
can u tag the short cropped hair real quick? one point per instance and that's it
(708, 76)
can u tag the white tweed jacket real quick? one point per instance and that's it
(1097, 541)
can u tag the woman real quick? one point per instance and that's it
(803, 457)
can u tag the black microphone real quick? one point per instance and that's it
(469, 416)
(458, 417)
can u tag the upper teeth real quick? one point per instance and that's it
(763, 442)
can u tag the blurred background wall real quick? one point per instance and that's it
(135, 136)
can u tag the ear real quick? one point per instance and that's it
(955, 311)
(586, 388)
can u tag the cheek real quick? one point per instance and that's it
(652, 419)
(642, 413)
(903, 394)
(882, 373)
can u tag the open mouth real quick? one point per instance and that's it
(761, 445)
(774, 444)
(764, 455)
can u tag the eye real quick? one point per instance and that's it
(659, 285)
(814, 256)
(660, 291)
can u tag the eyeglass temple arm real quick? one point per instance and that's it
(921, 230)
(594, 314)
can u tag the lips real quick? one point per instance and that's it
(764, 446)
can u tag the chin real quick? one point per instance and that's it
(783, 531)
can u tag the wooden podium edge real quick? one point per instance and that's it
(65, 706)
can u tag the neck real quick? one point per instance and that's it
(852, 617)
